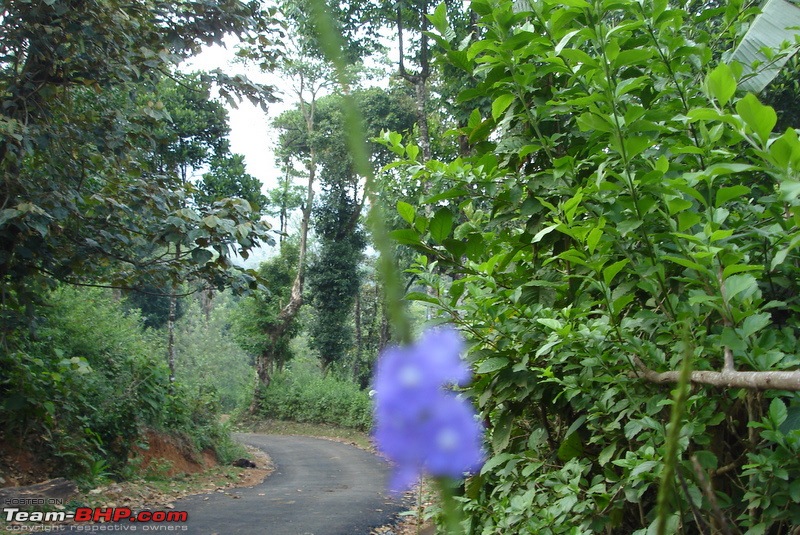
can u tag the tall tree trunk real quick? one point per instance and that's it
(420, 79)
(284, 216)
(265, 360)
(385, 332)
(207, 302)
(421, 101)
(357, 357)
(173, 314)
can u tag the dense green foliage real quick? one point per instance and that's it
(98, 135)
(153, 305)
(334, 276)
(608, 217)
(256, 314)
(228, 178)
(625, 210)
(84, 386)
(304, 394)
(82, 198)
(208, 360)
(99, 379)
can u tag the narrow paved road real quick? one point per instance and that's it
(319, 487)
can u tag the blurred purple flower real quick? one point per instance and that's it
(420, 426)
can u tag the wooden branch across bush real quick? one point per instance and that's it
(775, 380)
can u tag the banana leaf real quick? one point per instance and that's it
(769, 43)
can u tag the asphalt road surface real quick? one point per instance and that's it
(319, 487)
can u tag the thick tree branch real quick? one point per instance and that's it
(777, 380)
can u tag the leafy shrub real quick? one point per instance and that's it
(85, 381)
(90, 379)
(305, 396)
(194, 412)
(625, 215)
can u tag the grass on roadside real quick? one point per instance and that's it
(282, 427)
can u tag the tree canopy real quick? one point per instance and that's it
(81, 199)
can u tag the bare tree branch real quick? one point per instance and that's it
(775, 380)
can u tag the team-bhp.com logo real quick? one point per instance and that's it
(94, 514)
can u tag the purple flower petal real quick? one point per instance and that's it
(419, 425)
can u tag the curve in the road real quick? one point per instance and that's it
(319, 487)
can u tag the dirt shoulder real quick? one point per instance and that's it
(161, 491)
(169, 473)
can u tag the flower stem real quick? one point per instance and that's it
(450, 508)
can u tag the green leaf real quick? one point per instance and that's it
(781, 255)
(611, 271)
(606, 455)
(422, 296)
(201, 256)
(492, 365)
(740, 268)
(582, 4)
(451, 193)
(551, 323)
(501, 104)
(633, 56)
(475, 246)
(756, 322)
(405, 236)
(678, 205)
(593, 239)
(565, 41)
(790, 190)
(406, 211)
(732, 339)
(211, 221)
(721, 84)
(685, 263)
(439, 18)
(589, 122)
(502, 432)
(457, 248)
(760, 118)
(496, 461)
(792, 423)
(474, 119)
(570, 448)
(634, 145)
(707, 459)
(641, 468)
(7, 214)
(777, 412)
(441, 225)
(736, 284)
(542, 233)
(726, 194)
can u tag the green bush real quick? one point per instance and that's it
(84, 385)
(84, 381)
(627, 215)
(304, 396)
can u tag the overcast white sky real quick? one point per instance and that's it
(251, 133)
